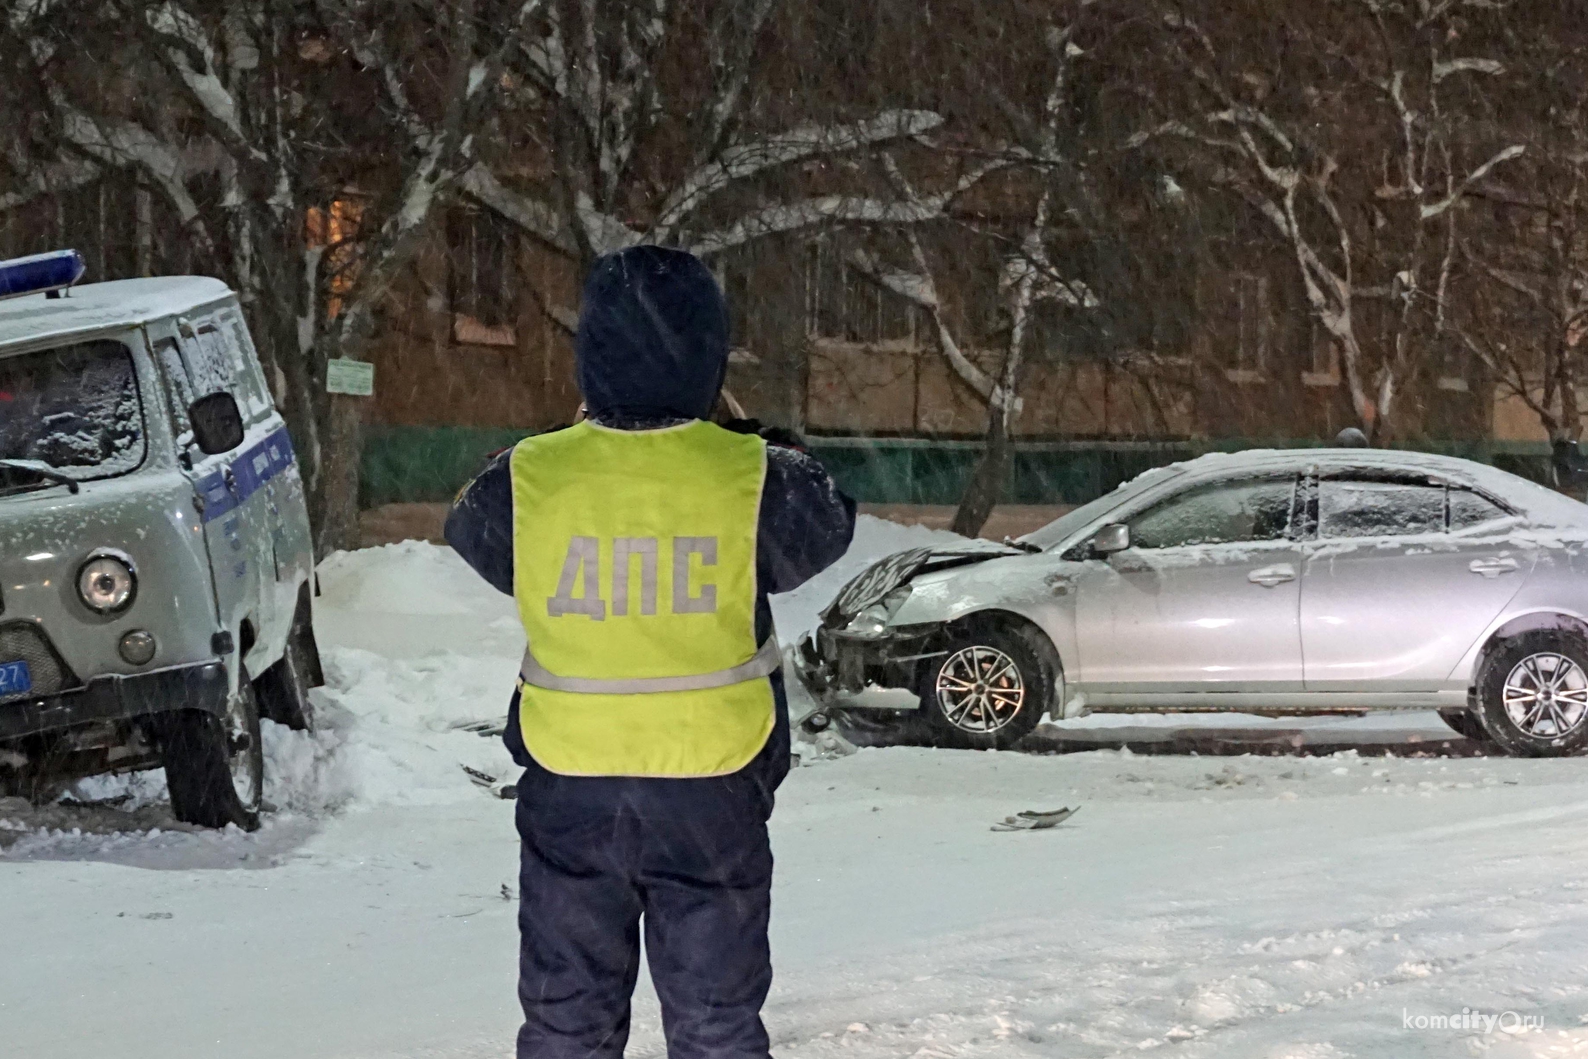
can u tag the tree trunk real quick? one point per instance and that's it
(334, 507)
(986, 485)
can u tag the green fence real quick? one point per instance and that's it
(430, 464)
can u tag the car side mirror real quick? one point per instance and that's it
(217, 423)
(1111, 539)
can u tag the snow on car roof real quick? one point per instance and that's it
(98, 306)
(1540, 504)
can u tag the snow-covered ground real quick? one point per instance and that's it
(1228, 906)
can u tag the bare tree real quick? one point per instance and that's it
(1523, 275)
(1355, 129)
(246, 117)
(628, 151)
(1027, 281)
(1028, 277)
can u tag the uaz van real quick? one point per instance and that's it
(155, 556)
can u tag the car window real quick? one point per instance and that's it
(211, 363)
(177, 387)
(1379, 509)
(1217, 513)
(1469, 509)
(248, 384)
(75, 408)
(1056, 531)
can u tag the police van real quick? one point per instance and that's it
(155, 555)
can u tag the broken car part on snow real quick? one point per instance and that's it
(1032, 820)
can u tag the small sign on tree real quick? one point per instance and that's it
(353, 377)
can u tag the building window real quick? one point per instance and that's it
(334, 228)
(843, 305)
(483, 278)
(1452, 363)
(1253, 324)
(1323, 358)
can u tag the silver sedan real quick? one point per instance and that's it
(1306, 581)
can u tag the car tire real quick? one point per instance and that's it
(283, 689)
(1533, 693)
(1465, 723)
(989, 688)
(215, 766)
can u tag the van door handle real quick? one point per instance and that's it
(1493, 567)
(1272, 576)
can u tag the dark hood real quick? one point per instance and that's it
(653, 336)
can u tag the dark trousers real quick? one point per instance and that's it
(688, 858)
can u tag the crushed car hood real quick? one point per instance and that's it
(885, 575)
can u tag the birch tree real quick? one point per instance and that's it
(1350, 128)
(1030, 162)
(248, 116)
(631, 149)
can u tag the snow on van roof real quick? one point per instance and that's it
(98, 306)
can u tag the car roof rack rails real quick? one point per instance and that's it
(48, 274)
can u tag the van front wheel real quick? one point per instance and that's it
(215, 766)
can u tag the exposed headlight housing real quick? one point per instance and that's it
(873, 621)
(107, 583)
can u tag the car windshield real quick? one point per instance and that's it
(75, 409)
(1063, 527)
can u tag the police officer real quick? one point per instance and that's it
(650, 718)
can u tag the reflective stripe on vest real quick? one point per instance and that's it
(634, 571)
(768, 660)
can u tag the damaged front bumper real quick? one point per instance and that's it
(846, 671)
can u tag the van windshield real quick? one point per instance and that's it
(75, 409)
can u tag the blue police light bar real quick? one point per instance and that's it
(40, 273)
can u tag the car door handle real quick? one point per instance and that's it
(1492, 568)
(1272, 576)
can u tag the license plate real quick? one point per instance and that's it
(14, 678)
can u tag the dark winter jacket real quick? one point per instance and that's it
(652, 349)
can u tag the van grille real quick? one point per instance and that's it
(25, 641)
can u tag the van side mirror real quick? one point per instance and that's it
(217, 423)
(1111, 539)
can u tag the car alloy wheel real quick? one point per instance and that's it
(980, 689)
(1546, 695)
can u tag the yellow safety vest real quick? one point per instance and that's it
(634, 571)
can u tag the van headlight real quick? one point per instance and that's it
(107, 583)
(873, 621)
